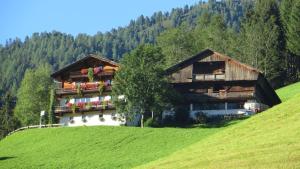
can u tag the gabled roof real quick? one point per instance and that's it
(89, 61)
(205, 53)
(269, 93)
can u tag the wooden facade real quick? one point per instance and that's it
(78, 97)
(210, 77)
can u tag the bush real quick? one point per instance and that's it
(182, 115)
(201, 118)
(169, 121)
(150, 122)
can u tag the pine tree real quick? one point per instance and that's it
(262, 40)
(293, 29)
(7, 120)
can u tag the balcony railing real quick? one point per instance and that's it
(83, 108)
(211, 96)
(85, 88)
(78, 74)
(208, 77)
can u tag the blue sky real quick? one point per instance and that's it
(19, 18)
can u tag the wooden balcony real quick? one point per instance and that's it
(65, 109)
(220, 96)
(79, 75)
(85, 91)
(208, 77)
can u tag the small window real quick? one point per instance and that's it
(83, 118)
(113, 116)
(101, 117)
(71, 119)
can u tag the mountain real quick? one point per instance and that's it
(59, 49)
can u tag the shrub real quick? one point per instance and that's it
(201, 118)
(150, 122)
(182, 115)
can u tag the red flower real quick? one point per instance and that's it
(95, 103)
(69, 104)
(81, 105)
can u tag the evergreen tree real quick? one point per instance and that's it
(290, 23)
(293, 29)
(51, 116)
(7, 120)
(262, 40)
(177, 44)
(33, 95)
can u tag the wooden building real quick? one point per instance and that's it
(215, 84)
(83, 93)
(210, 83)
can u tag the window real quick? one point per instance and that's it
(213, 70)
(71, 119)
(209, 106)
(101, 117)
(213, 67)
(113, 116)
(234, 105)
(83, 118)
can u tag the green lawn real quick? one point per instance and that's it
(287, 92)
(94, 147)
(268, 140)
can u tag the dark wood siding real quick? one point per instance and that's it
(183, 75)
(233, 70)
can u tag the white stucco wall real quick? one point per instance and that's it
(92, 119)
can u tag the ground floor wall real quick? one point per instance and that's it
(221, 108)
(106, 118)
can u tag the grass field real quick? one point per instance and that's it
(287, 92)
(94, 147)
(267, 140)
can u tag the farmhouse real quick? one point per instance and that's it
(215, 84)
(210, 83)
(83, 93)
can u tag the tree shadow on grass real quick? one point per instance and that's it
(218, 123)
(6, 158)
(210, 123)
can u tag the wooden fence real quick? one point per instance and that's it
(35, 126)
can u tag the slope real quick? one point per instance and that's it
(267, 140)
(94, 147)
(288, 92)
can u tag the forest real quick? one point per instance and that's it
(262, 33)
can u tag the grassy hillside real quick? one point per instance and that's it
(268, 140)
(93, 147)
(287, 92)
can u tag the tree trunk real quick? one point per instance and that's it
(142, 121)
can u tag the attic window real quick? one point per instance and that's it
(214, 67)
(214, 70)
